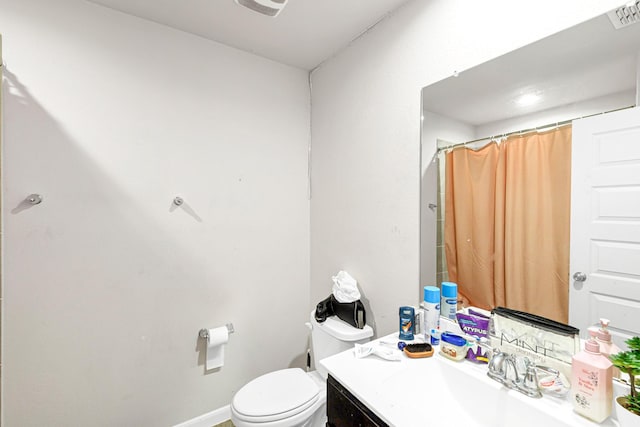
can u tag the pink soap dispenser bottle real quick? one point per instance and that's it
(592, 382)
(607, 347)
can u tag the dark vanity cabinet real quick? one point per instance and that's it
(345, 410)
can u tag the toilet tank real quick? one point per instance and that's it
(334, 336)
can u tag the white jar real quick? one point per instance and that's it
(453, 346)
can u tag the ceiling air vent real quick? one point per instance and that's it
(625, 15)
(266, 7)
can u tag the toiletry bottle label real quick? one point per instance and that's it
(431, 316)
(434, 336)
(449, 299)
(449, 307)
(407, 323)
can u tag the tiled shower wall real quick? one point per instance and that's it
(442, 275)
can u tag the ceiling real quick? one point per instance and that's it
(584, 62)
(303, 35)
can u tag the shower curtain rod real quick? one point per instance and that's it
(525, 131)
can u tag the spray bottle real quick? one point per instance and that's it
(430, 310)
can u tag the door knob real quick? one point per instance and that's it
(579, 276)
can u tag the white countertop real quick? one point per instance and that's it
(419, 392)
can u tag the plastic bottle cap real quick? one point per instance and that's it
(432, 294)
(407, 310)
(449, 289)
(454, 339)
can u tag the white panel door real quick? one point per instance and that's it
(605, 223)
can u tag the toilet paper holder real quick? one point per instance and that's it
(204, 333)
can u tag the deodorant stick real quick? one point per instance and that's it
(407, 326)
(449, 300)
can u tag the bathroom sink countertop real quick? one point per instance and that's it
(418, 392)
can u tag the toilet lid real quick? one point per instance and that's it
(276, 395)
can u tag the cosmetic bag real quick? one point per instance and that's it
(543, 341)
(351, 312)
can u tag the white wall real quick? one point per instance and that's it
(110, 117)
(435, 127)
(106, 285)
(366, 133)
(438, 127)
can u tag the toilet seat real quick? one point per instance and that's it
(275, 396)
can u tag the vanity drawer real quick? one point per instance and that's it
(345, 410)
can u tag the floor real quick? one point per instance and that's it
(225, 424)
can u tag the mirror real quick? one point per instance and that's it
(585, 70)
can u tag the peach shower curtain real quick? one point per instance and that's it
(507, 218)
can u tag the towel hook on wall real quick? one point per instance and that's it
(178, 201)
(33, 199)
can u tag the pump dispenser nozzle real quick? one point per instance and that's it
(603, 333)
(592, 345)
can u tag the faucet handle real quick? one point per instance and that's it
(496, 368)
(529, 384)
(530, 381)
(497, 361)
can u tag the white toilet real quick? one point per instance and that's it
(292, 397)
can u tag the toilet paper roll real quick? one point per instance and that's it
(218, 338)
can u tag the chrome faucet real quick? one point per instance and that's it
(507, 368)
(503, 368)
(511, 370)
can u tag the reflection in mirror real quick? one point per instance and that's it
(534, 91)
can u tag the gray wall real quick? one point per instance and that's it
(106, 285)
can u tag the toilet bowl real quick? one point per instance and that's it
(291, 397)
(285, 398)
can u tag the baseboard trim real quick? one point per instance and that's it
(209, 419)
